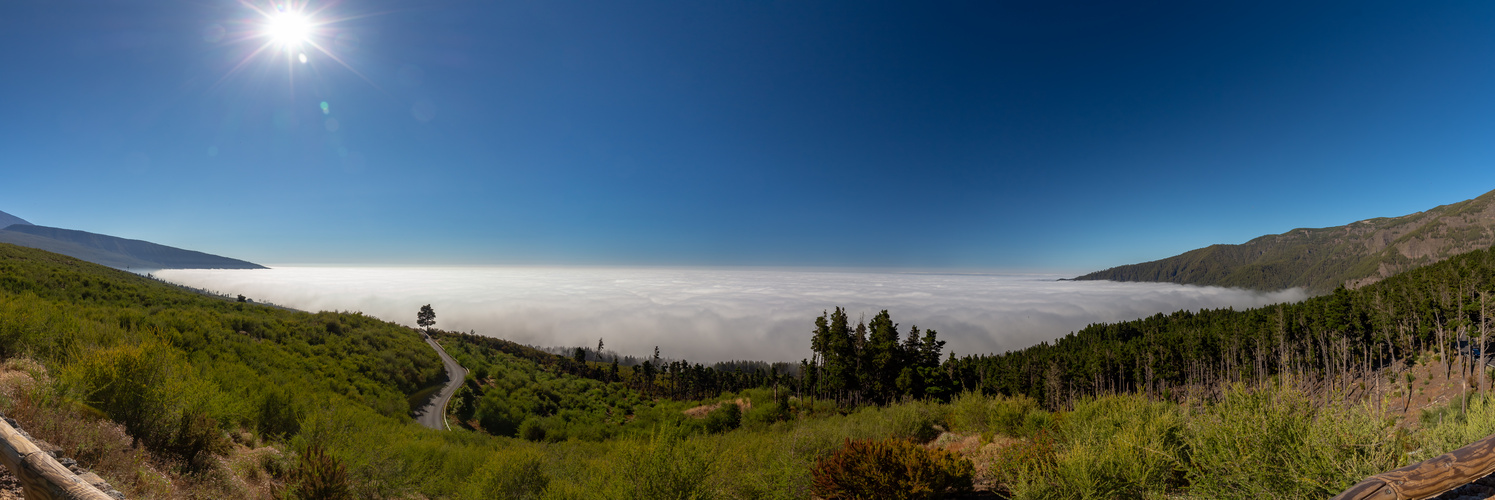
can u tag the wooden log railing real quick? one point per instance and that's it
(41, 476)
(1430, 478)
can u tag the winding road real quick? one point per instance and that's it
(433, 415)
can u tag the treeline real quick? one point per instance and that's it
(869, 363)
(653, 377)
(1328, 341)
(548, 361)
(686, 381)
(872, 363)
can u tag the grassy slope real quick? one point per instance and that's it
(1324, 258)
(151, 356)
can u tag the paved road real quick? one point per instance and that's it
(433, 415)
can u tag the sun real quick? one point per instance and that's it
(298, 30)
(289, 28)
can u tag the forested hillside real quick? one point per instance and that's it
(1322, 259)
(1325, 339)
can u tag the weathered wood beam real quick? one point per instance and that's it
(41, 476)
(1429, 478)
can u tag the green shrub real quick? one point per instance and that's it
(764, 415)
(969, 413)
(532, 429)
(1017, 466)
(1109, 447)
(129, 383)
(510, 474)
(499, 416)
(761, 467)
(280, 415)
(724, 418)
(196, 440)
(894, 469)
(1447, 428)
(319, 476)
(1279, 443)
(669, 466)
(1017, 416)
(276, 464)
(915, 420)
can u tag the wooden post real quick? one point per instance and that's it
(41, 477)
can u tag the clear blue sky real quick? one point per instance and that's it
(987, 135)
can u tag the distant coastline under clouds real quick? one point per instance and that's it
(709, 315)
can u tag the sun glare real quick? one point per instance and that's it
(292, 31)
(289, 28)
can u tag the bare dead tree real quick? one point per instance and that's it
(1483, 330)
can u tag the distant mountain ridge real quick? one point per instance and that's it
(7, 220)
(1322, 259)
(119, 253)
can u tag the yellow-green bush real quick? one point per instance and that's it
(667, 466)
(1450, 427)
(1279, 443)
(1020, 468)
(518, 474)
(1107, 447)
(1015, 416)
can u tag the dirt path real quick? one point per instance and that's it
(433, 415)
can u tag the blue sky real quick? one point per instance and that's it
(970, 135)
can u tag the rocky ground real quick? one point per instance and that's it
(10, 488)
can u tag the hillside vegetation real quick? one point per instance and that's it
(173, 394)
(1322, 259)
(181, 370)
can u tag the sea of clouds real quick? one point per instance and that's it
(708, 315)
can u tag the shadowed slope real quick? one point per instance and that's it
(116, 252)
(8, 219)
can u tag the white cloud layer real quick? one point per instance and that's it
(715, 314)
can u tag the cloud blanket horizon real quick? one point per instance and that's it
(710, 315)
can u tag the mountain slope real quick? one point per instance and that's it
(8, 219)
(115, 252)
(1321, 259)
